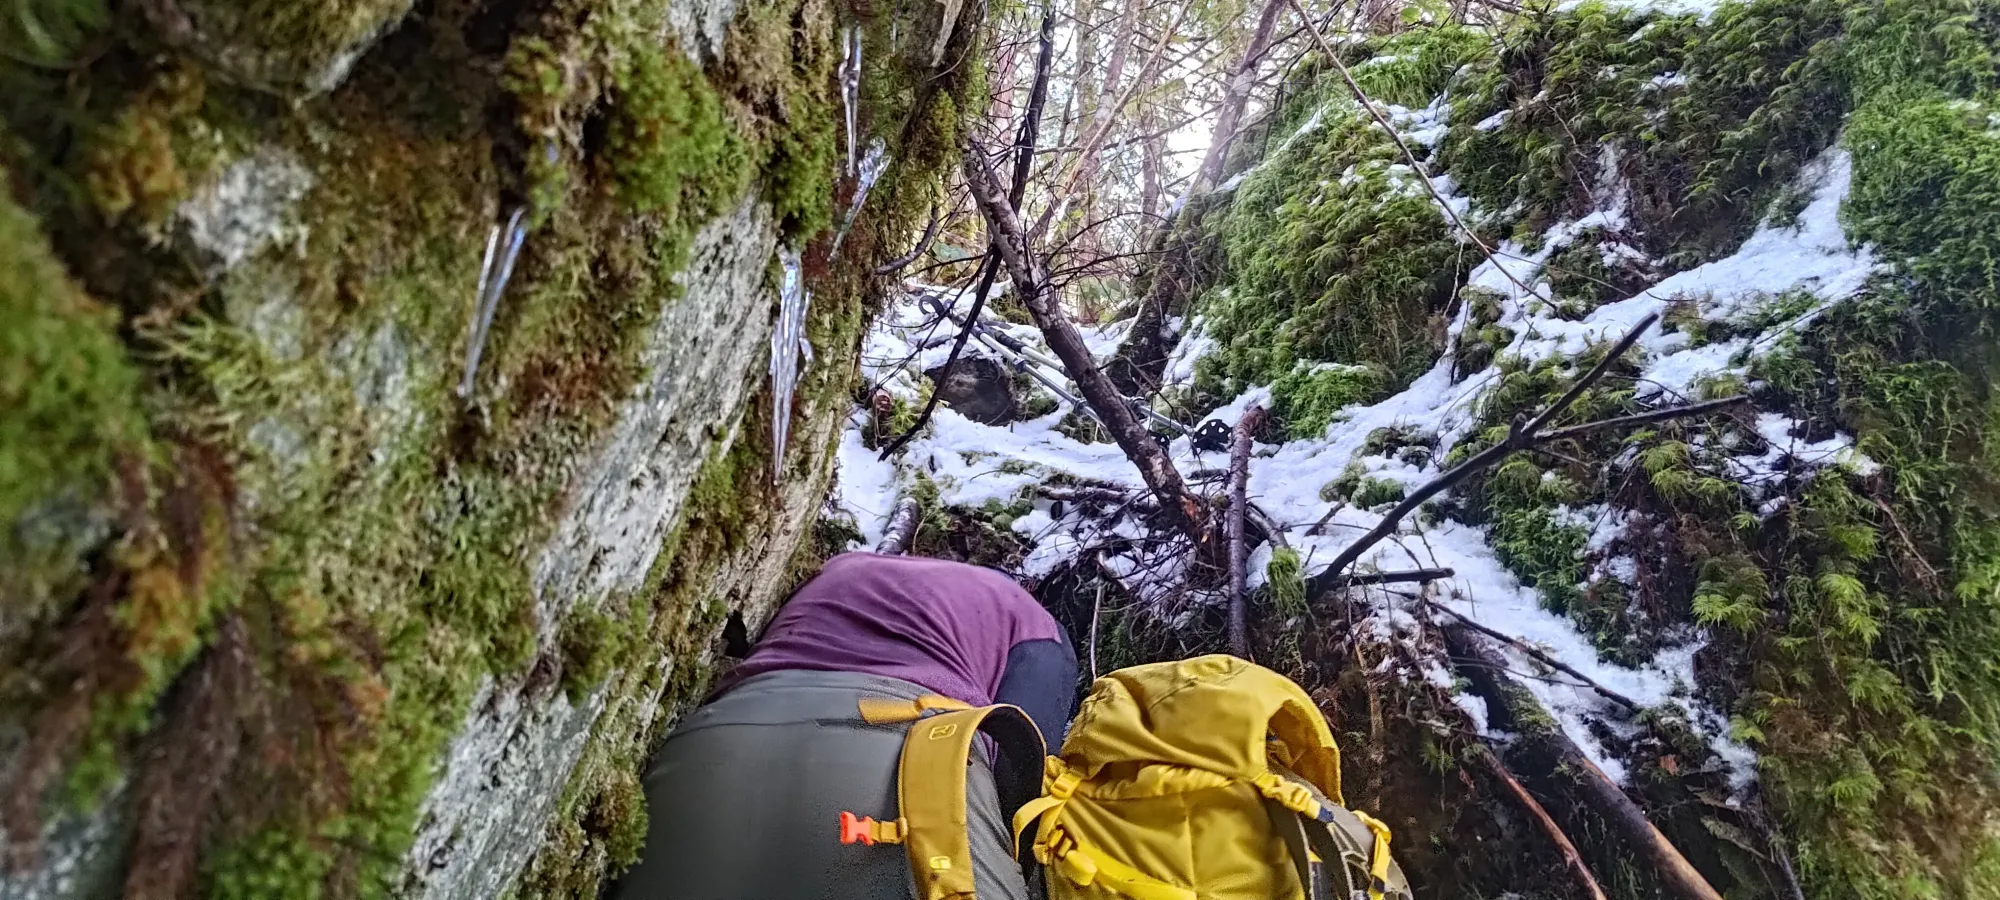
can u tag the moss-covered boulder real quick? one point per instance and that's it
(387, 429)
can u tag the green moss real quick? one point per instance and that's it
(670, 146)
(1285, 582)
(1333, 255)
(1377, 492)
(1413, 67)
(1308, 399)
(51, 32)
(285, 47)
(67, 394)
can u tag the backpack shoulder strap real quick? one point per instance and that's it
(930, 791)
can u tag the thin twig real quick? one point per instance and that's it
(923, 244)
(1646, 418)
(1628, 703)
(989, 268)
(1520, 437)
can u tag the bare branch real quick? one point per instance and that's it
(1542, 737)
(1646, 418)
(988, 268)
(1572, 860)
(1187, 511)
(1239, 549)
(1521, 437)
(1628, 703)
(902, 530)
(923, 244)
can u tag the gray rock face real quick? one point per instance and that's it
(506, 769)
(501, 778)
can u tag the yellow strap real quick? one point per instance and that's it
(1083, 865)
(1058, 849)
(878, 710)
(1291, 794)
(930, 788)
(1378, 864)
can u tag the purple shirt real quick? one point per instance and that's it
(944, 625)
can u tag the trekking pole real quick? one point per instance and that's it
(1022, 353)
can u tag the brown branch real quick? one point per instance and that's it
(1038, 97)
(902, 530)
(1239, 550)
(1319, 584)
(1539, 656)
(1572, 860)
(1186, 511)
(1562, 762)
(1520, 437)
(923, 243)
(1319, 527)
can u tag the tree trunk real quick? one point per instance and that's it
(1137, 368)
(1544, 752)
(1186, 511)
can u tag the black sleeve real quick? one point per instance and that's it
(1040, 678)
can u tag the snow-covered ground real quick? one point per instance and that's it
(1810, 255)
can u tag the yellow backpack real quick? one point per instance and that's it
(1204, 779)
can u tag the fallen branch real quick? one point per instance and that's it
(1326, 581)
(1645, 418)
(1565, 848)
(1544, 751)
(1521, 436)
(1495, 766)
(1545, 659)
(1187, 511)
(1239, 549)
(902, 530)
(1319, 527)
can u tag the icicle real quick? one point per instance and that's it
(491, 285)
(872, 168)
(789, 352)
(850, 86)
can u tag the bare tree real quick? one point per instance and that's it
(1186, 511)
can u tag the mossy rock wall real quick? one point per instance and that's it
(1848, 623)
(285, 609)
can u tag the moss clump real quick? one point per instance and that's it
(68, 413)
(1308, 398)
(670, 147)
(1285, 582)
(1706, 119)
(1376, 492)
(1335, 254)
(1414, 67)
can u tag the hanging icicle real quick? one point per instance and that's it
(790, 353)
(872, 168)
(850, 87)
(493, 276)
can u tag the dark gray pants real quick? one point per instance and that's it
(744, 799)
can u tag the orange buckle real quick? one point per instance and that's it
(865, 830)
